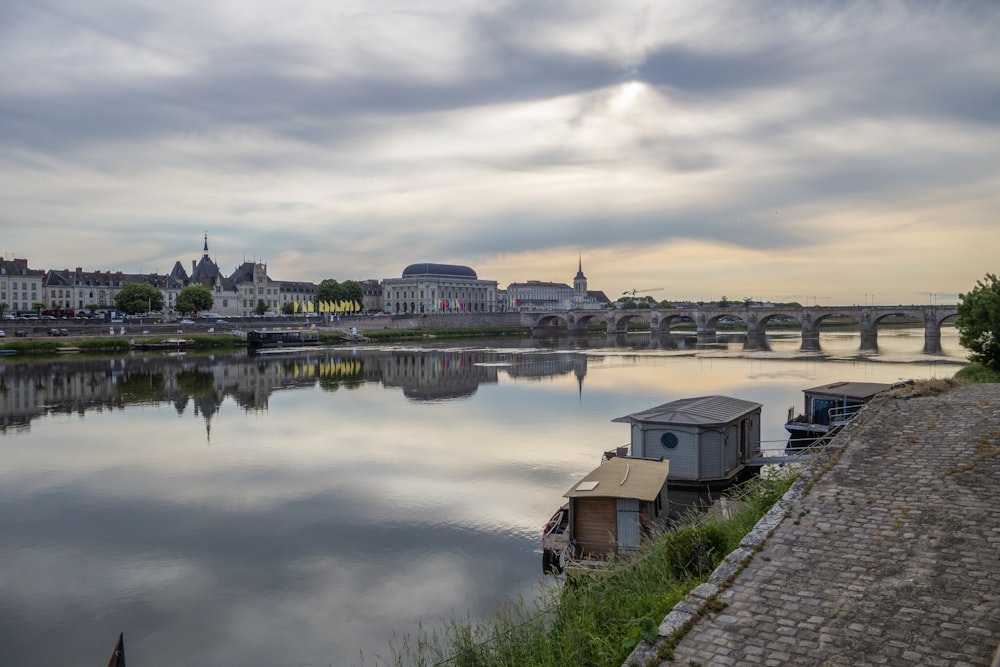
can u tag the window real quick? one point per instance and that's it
(668, 440)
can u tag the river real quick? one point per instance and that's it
(298, 510)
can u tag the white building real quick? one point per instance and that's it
(439, 288)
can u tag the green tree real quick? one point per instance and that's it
(4, 307)
(978, 322)
(135, 298)
(194, 299)
(261, 307)
(288, 308)
(331, 290)
(353, 291)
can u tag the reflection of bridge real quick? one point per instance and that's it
(755, 318)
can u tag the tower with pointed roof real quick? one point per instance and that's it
(579, 285)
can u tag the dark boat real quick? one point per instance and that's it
(830, 406)
(262, 339)
(117, 658)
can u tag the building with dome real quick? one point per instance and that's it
(438, 288)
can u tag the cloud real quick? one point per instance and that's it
(409, 133)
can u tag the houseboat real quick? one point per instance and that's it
(165, 344)
(608, 512)
(263, 339)
(829, 406)
(708, 440)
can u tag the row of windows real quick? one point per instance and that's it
(481, 295)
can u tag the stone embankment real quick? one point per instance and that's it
(885, 552)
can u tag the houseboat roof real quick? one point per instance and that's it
(857, 390)
(699, 411)
(623, 477)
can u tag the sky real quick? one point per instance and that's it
(821, 152)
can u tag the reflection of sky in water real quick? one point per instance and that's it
(306, 531)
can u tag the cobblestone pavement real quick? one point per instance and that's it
(889, 556)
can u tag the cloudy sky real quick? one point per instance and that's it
(829, 152)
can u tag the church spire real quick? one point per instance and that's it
(206, 244)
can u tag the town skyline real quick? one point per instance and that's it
(934, 298)
(827, 152)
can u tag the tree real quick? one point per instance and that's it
(353, 291)
(261, 307)
(194, 299)
(135, 298)
(978, 322)
(288, 308)
(330, 290)
(4, 307)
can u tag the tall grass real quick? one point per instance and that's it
(595, 619)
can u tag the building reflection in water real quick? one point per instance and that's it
(77, 385)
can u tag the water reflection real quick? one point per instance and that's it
(285, 510)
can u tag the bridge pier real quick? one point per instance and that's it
(869, 333)
(932, 334)
(810, 334)
(757, 341)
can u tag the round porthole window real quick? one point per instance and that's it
(668, 440)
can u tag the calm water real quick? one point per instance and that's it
(296, 510)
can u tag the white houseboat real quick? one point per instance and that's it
(708, 440)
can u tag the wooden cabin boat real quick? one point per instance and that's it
(829, 406)
(608, 512)
(708, 440)
(281, 338)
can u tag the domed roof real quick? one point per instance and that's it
(429, 269)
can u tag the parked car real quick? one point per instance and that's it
(2, 334)
(187, 321)
(20, 333)
(58, 332)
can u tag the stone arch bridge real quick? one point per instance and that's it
(755, 318)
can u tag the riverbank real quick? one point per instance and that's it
(598, 619)
(883, 552)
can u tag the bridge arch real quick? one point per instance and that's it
(756, 319)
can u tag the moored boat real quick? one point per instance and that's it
(261, 339)
(609, 512)
(830, 406)
(165, 344)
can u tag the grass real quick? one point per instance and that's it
(597, 620)
(50, 346)
(977, 373)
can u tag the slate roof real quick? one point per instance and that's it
(699, 411)
(431, 269)
(857, 390)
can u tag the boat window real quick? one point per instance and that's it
(669, 440)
